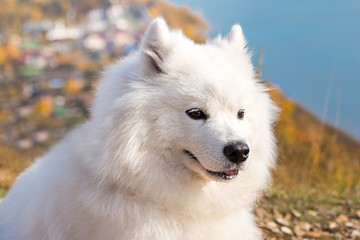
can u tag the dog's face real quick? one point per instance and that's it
(207, 108)
(175, 110)
(217, 135)
(217, 141)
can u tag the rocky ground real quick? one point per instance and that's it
(281, 218)
(285, 218)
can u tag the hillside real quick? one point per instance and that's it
(312, 153)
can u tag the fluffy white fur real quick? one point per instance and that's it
(124, 174)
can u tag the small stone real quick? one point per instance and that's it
(304, 226)
(358, 213)
(338, 235)
(299, 232)
(349, 225)
(295, 213)
(312, 235)
(282, 221)
(272, 226)
(333, 225)
(261, 213)
(355, 234)
(288, 217)
(276, 213)
(342, 218)
(286, 230)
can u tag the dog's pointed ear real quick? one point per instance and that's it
(236, 37)
(155, 45)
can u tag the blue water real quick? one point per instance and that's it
(312, 49)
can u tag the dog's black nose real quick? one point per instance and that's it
(237, 152)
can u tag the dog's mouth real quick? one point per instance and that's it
(224, 175)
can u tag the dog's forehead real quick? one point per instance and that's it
(220, 73)
(213, 62)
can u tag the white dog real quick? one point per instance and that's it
(179, 146)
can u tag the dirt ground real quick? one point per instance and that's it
(285, 218)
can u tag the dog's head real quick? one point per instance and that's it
(196, 107)
(209, 107)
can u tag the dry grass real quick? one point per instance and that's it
(313, 154)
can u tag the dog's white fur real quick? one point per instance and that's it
(124, 173)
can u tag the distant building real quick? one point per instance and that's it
(61, 32)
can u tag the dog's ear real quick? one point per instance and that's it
(155, 45)
(236, 37)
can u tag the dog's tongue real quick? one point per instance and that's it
(232, 172)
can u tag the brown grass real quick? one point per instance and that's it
(312, 153)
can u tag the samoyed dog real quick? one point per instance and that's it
(179, 146)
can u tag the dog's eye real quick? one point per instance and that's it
(196, 113)
(241, 114)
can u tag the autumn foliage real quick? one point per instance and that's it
(312, 153)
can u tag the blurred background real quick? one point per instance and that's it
(308, 52)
